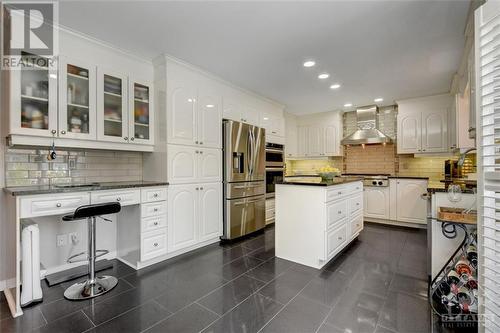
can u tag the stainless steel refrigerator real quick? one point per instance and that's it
(244, 178)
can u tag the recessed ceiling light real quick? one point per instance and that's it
(347, 105)
(323, 76)
(209, 105)
(380, 99)
(335, 86)
(309, 63)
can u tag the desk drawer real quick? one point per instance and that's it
(153, 244)
(153, 223)
(154, 209)
(335, 193)
(46, 205)
(355, 204)
(153, 194)
(124, 197)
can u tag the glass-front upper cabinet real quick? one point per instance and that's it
(141, 112)
(34, 97)
(112, 114)
(77, 109)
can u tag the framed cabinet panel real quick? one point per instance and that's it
(181, 113)
(209, 165)
(141, 112)
(182, 217)
(434, 131)
(77, 99)
(376, 202)
(330, 143)
(409, 133)
(410, 206)
(182, 164)
(112, 106)
(210, 208)
(209, 119)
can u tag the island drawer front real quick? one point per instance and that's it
(335, 193)
(153, 244)
(153, 209)
(354, 187)
(47, 205)
(124, 197)
(355, 204)
(356, 225)
(335, 213)
(270, 213)
(335, 238)
(153, 194)
(153, 223)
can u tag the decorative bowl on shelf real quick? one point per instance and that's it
(329, 175)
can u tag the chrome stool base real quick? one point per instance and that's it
(86, 289)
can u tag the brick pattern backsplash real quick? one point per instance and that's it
(370, 159)
(26, 167)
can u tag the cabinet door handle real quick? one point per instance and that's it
(196, 142)
(125, 138)
(339, 238)
(340, 212)
(155, 244)
(201, 151)
(155, 209)
(339, 192)
(156, 223)
(155, 195)
(201, 188)
(201, 142)
(197, 152)
(58, 204)
(132, 139)
(357, 203)
(53, 132)
(118, 199)
(63, 132)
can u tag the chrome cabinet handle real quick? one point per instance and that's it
(53, 131)
(197, 151)
(118, 199)
(155, 195)
(155, 209)
(201, 142)
(156, 223)
(201, 188)
(339, 192)
(125, 138)
(63, 132)
(58, 204)
(132, 139)
(155, 244)
(339, 238)
(196, 142)
(201, 151)
(197, 189)
(340, 212)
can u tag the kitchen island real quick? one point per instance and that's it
(316, 219)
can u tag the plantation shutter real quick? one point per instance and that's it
(487, 40)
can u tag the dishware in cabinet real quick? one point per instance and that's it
(33, 97)
(141, 112)
(112, 114)
(77, 99)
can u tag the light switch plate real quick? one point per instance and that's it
(61, 240)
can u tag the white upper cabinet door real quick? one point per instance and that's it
(330, 144)
(209, 165)
(182, 162)
(376, 202)
(182, 223)
(181, 113)
(409, 132)
(77, 100)
(250, 115)
(231, 109)
(209, 119)
(302, 145)
(291, 139)
(315, 141)
(210, 216)
(434, 131)
(410, 206)
(112, 106)
(141, 108)
(33, 98)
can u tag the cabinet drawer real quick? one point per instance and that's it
(153, 223)
(53, 204)
(354, 187)
(335, 239)
(335, 193)
(355, 204)
(153, 194)
(153, 244)
(335, 212)
(124, 197)
(270, 203)
(153, 209)
(270, 213)
(356, 224)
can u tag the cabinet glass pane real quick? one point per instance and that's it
(77, 99)
(113, 116)
(35, 94)
(141, 111)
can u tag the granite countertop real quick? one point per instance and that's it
(434, 189)
(46, 189)
(319, 182)
(409, 177)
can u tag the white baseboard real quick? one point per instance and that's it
(6, 284)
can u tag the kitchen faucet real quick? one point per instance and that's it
(462, 157)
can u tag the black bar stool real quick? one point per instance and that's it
(93, 286)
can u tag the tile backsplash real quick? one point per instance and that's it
(26, 167)
(371, 159)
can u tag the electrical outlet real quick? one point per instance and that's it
(62, 240)
(72, 164)
(73, 238)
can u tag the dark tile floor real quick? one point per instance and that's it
(377, 285)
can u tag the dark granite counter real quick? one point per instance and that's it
(333, 182)
(434, 189)
(64, 188)
(408, 177)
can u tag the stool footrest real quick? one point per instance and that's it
(99, 253)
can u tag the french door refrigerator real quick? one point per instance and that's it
(244, 178)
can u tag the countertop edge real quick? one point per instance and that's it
(322, 184)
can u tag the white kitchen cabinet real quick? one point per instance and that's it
(181, 113)
(376, 202)
(250, 115)
(315, 141)
(458, 124)
(112, 106)
(331, 144)
(302, 146)
(423, 125)
(410, 206)
(77, 99)
(141, 112)
(182, 219)
(194, 214)
(291, 139)
(237, 109)
(335, 240)
(33, 99)
(210, 208)
(318, 141)
(273, 123)
(209, 118)
(186, 164)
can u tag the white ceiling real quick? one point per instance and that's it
(389, 49)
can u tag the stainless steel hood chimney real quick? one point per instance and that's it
(367, 132)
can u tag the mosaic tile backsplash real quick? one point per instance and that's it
(26, 167)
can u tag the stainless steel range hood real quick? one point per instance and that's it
(367, 132)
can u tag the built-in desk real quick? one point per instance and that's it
(141, 226)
